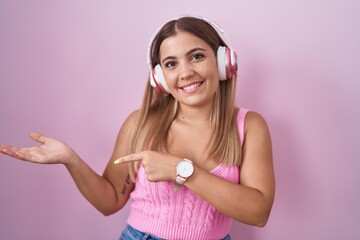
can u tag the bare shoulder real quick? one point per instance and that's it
(254, 121)
(130, 123)
(257, 140)
(132, 119)
(257, 166)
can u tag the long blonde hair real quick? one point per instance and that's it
(158, 111)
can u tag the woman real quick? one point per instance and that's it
(195, 161)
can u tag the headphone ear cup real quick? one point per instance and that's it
(221, 52)
(157, 77)
(227, 63)
(233, 67)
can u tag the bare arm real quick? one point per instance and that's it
(107, 193)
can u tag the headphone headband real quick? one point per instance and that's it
(213, 24)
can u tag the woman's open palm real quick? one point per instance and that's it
(50, 151)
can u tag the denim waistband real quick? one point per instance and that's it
(130, 233)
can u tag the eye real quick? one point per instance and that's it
(170, 64)
(197, 56)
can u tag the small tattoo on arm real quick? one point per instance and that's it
(125, 187)
(127, 180)
(123, 191)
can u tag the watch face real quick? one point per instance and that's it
(184, 169)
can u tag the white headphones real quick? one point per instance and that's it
(226, 61)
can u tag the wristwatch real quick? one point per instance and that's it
(184, 169)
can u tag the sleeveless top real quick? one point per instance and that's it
(158, 210)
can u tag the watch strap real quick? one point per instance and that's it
(179, 181)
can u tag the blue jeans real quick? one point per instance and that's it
(130, 233)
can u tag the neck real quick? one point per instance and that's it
(194, 115)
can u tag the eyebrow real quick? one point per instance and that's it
(187, 53)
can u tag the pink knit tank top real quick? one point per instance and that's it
(158, 210)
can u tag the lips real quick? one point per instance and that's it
(191, 86)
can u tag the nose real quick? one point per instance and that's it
(185, 71)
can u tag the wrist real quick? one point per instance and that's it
(70, 157)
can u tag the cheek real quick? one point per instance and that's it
(170, 78)
(212, 75)
(210, 69)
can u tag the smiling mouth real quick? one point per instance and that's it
(192, 86)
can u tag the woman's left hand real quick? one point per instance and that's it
(158, 166)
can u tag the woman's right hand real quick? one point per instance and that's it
(50, 151)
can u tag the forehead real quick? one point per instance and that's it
(180, 44)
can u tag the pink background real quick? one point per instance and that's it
(74, 70)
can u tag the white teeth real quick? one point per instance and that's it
(191, 86)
